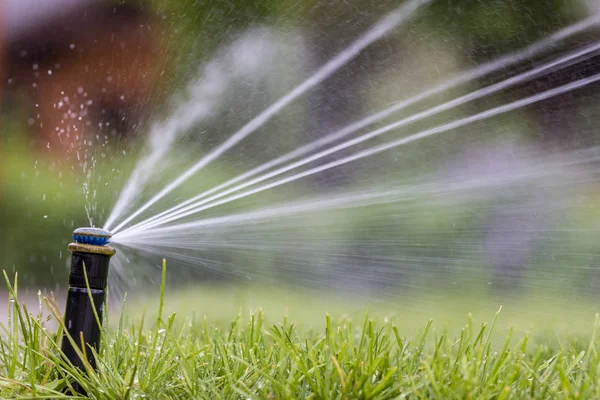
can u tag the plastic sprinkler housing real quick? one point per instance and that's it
(90, 257)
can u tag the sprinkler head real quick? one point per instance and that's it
(90, 249)
(90, 262)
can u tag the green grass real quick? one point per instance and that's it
(196, 358)
(539, 315)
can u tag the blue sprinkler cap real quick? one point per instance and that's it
(93, 236)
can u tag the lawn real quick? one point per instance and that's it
(158, 355)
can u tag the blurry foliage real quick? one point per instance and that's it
(487, 28)
(198, 27)
(39, 208)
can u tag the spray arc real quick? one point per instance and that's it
(90, 258)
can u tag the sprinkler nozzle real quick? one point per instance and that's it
(90, 257)
(94, 236)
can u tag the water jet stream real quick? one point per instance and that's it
(475, 73)
(423, 134)
(378, 31)
(245, 58)
(433, 189)
(199, 206)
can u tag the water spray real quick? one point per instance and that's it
(90, 260)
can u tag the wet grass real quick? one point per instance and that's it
(248, 358)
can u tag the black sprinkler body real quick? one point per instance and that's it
(91, 252)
